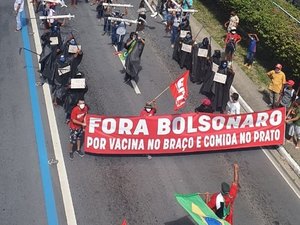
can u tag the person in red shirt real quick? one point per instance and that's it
(222, 203)
(149, 109)
(77, 124)
(231, 40)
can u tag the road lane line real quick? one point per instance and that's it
(45, 172)
(61, 169)
(133, 83)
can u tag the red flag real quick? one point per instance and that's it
(179, 90)
(124, 222)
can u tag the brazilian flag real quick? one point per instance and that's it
(198, 209)
(126, 53)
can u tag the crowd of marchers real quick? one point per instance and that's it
(211, 68)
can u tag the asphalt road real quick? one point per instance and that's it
(106, 189)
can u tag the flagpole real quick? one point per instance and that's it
(160, 94)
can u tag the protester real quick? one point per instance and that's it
(219, 91)
(201, 63)
(107, 23)
(141, 17)
(233, 106)
(293, 119)
(149, 109)
(231, 41)
(99, 9)
(287, 95)
(72, 96)
(251, 50)
(134, 50)
(222, 203)
(277, 78)
(232, 22)
(19, 8)
(182, 52)
(77, 125)
(205, 106)
(175, 27)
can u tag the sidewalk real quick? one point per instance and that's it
(250, 97)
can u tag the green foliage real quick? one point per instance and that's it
(278, 33)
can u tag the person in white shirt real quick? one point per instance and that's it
(233, 106)
(18, 7)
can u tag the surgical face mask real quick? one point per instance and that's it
(81, 106)
(148, 109)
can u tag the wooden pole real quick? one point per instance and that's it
(56, 17)
(118, 5)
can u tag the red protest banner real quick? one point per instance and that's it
(192, 132)
(179, 90)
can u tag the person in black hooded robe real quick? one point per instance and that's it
(49, 52)
(133, 59)
(185, 56)
(201, 65)
(206, 86)
(183, 26)
(61, 78)
(220, 91)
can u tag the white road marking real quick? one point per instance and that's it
(61, 169)
(133, 83)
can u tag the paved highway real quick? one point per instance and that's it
(106, 189)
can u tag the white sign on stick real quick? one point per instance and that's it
(183, 33)
(74, 48)
(64, 70)
(202, 52)
(215, 67)
(220, 78)
(186, 48)
(77, 83)
(53, 40)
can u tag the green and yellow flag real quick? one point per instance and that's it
(198, 209)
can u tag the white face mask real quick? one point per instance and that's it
(148, 109)
(81, 106)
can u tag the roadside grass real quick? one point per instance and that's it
(213, 21)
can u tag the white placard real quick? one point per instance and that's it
(77, 83)
(186, 48)
(183, 33)
(220, 78)
(64, 70)
(215, 67)
(202, 52)
(53, 40)
(74, 48)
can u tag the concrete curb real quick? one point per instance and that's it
(282, 151)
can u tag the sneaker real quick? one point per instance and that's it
(80, 153)
(71, 156)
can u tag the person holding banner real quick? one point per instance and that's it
(222, 203)
(233, 106)
(77, 125)
(149, 109)
(205, 106)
